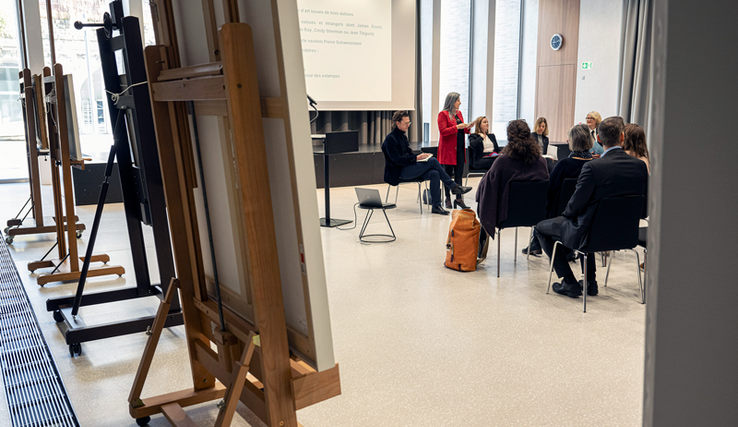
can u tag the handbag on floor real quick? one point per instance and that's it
(462, 244)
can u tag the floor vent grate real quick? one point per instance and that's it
(34, 389)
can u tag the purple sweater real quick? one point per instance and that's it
(493, 189)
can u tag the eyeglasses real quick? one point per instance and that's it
(590, 118)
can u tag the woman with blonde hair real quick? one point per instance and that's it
(593, 122)
(483, 144)
(634, 143)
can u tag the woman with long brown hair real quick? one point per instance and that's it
(634, 143)
(520, 160)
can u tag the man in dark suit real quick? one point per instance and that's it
(401, 163)
(614, 174)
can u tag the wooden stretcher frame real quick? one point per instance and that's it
(37, 145)
(51, 93)
(278, 382)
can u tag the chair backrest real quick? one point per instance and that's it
(615, 223)
(526, 204)
(567, 190)
(470, 160)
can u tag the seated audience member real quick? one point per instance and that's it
(580, 142)
(541, 134)
(635, 143)
(401, 163)
(614, 174)
(483, 144)
(520, 161)
(593, 121)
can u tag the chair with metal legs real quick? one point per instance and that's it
(614, 227)
(419, 199)
(367, 218)
(526, 207)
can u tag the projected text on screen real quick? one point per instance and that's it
(347, 49)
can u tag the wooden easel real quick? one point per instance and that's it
(277, 384)
(37, 145)
(67, 268)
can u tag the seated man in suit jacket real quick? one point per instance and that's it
(401, 163)
(614, 174)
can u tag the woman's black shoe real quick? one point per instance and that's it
(448, 203)
(460, 203)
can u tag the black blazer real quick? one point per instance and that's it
(477, 145)
(397, 153)
(545, 141)
(616, 174)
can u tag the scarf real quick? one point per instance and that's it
(581, 154)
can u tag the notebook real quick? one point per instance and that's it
(370, 198)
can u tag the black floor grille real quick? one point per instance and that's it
(34, 389)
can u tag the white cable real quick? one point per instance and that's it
(115, 97)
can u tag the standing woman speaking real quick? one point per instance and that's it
(451, 145)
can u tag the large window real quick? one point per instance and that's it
(467, 43)
(454, 59)
(77, 51)
(507, 54)
(12, 140)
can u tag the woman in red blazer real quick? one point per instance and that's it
(451, 144)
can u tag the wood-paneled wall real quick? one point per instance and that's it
(557, 70)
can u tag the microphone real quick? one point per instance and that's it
(313, 104)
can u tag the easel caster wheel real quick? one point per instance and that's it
(143, 421)
(6, 230)
(9, 240)
(79, 234)
(58, 316)
(75, 348)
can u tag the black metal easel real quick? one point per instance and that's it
(143, 192)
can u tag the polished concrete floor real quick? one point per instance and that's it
(417, 343)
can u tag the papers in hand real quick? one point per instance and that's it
(427, 158)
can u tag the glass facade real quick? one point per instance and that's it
(463, 61)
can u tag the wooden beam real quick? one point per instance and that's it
(239, 65)
(316, 387)
(201, 89)
(148, 354)
(177, 416)
(183, 398)
(194, 71)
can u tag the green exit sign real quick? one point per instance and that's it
(586, 65)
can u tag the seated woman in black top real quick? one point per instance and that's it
(482, 144)
(580, 144)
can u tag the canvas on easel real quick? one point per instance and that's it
(67, 266)
(245, 107)
(37, 146)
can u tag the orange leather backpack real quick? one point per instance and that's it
(462, 244)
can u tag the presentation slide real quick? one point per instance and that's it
(341, 44)
(359, 54)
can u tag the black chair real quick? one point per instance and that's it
(526, 207)
(567, 190)
(472, 172)
(614, 227)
